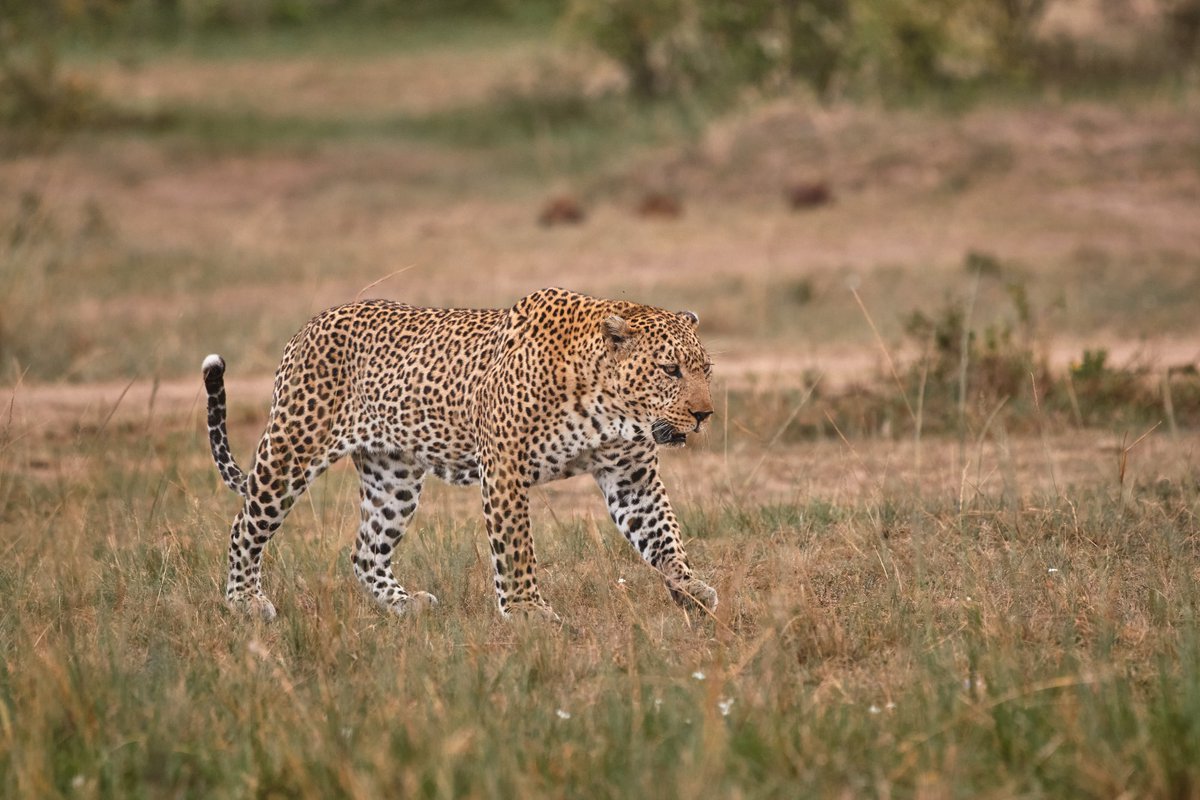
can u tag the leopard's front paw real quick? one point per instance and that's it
(532, 609)
(694, 592)
(254, 605)
(413, 604)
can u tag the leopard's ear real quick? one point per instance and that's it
(617, 331)
(691, 318)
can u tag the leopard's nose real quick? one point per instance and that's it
(701, 416)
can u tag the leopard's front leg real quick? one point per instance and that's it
(638, 503)
(506, 509)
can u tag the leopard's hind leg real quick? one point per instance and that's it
(390, 490)
(286, 463)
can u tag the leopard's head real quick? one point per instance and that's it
(660, 371)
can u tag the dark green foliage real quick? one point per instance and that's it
(765, 40)
(635, 35)
(169, 18)
(1183, 27)
(668, 46)
(1105, 392)
(34, 92)
(817, 35)
(900, 48)
(971, 368)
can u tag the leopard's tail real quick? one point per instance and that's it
(218, 434)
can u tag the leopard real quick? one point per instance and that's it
(557, 385)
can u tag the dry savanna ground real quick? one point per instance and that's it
(1007, 610)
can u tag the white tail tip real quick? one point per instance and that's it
(213, 361)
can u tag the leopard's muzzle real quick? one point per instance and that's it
(666, 433)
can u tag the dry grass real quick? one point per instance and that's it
(1008, 615)
(884, 628)
(377, 86)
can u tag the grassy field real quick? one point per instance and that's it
(988, 596)
(1028, 629)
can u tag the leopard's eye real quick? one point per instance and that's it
(672, 369)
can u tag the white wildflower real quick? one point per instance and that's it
(563, 714)
(874, 709)
(1053, 570)
(724, 705)
(698, 675)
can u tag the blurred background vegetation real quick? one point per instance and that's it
(895, 49)
(182, 176)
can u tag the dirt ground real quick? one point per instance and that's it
(207, 244)
(1026, 468)
(1090, 205)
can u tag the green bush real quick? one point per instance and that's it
(638, 35)
(1104, 391)
(1182, 19)
(665, 46)
(969, 371)
(892, 47)
(173, 17)
(34, 91)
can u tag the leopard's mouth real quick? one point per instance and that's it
(666, 433)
